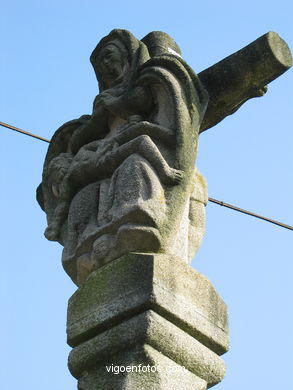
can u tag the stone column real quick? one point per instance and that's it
(147, 321)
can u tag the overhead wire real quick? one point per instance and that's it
(23, 132)
(230, 206)
(218, 202)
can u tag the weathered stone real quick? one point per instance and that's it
(148, 369)
(147, 303)
(138, 282)
(243, 75)
(153, 330)
(123, 179)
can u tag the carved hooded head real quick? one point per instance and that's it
(117, 58)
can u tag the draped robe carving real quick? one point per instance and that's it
(123, 178)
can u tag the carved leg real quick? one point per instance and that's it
(144, 146)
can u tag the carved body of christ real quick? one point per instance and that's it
(123, 179)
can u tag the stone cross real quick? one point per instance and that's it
(123, 197)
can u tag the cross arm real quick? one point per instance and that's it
(243, 75)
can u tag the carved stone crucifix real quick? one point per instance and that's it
(122, 179)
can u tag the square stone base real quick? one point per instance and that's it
(144, 309)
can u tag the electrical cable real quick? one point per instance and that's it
(230, 206)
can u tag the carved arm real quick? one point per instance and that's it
(146, 128)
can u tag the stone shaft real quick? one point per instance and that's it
(147, 321)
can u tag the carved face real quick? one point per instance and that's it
(112, 64)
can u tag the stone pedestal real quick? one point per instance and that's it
(146, 321)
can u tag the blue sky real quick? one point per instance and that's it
(47, 79)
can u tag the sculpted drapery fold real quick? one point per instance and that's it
(123, 178)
